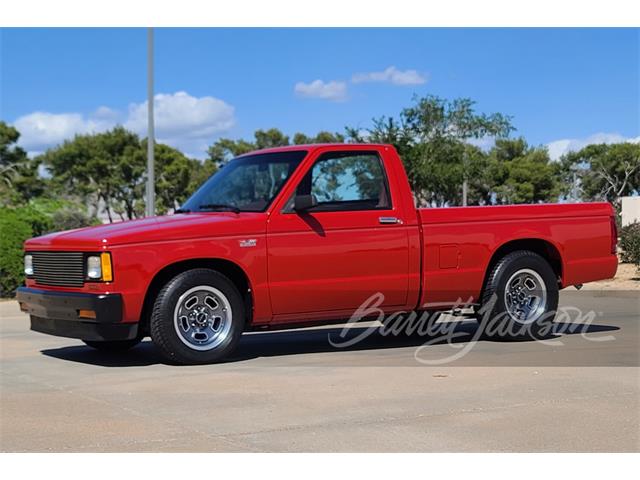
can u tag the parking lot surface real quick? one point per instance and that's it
(294, 391)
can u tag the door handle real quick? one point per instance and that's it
(389, 220)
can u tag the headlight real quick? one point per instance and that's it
(99, 267)
(94, 268)
(28, 265)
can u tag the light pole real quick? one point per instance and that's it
(465, 183)
(151, 193)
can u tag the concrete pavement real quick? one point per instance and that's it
(293, 391)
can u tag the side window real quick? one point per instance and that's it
(347, 181)
(254, 185)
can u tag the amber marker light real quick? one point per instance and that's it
(107, 271)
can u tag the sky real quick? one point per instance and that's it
(564, 88)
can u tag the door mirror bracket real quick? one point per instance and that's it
(302, 203)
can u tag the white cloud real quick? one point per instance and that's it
(106, 114)
(333, 90)
(392, 75)
(181, 120)
(558, 148)
(41, 130)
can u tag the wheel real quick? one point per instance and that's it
(113, 346)
(520, 297)
(198, 317)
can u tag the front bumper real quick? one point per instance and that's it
(57, 313)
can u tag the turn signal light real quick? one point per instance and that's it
(105, 262)
(87, 314)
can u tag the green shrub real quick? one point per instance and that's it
(69, 219)
(21, 223)
(630, 244)
(15, 228)
(40, 222)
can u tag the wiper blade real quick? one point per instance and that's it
(182, 210)
(219, 206)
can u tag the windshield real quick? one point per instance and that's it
(246, 184)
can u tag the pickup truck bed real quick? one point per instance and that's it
(460, 242)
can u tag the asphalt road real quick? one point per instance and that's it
(294, 391)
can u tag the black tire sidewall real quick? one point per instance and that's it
(162, 326)
(505, 268)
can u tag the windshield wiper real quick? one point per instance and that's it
(219, 206)
(182, 210)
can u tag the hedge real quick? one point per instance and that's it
(18, 224)
(630, 244)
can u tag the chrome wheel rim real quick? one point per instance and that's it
(202, 317)
(525, 296)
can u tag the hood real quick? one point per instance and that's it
(153, 229)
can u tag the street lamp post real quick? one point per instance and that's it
(151, 194)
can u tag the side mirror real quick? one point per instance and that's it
(302, 203)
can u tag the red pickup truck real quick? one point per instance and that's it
(305, 234)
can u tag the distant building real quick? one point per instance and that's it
(630, 210)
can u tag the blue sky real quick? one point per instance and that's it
(563, 87)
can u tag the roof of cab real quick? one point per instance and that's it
(315, 146)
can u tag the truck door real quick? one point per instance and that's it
(350, 245)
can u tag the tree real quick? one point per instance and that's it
(321, 137)
(103, 169)
(439, 126)
(19, 179)
(521, 174)
(108, 171)
(225, 149)
(432, 139)
(481, 172)
(270, 138)
(603, 172)
(174, 177)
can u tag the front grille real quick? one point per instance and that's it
(61, 269)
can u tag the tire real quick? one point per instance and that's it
(113, 346)
(197, 318)
(520, 298)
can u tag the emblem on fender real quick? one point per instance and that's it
(249, 242)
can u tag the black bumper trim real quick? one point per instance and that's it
(56, 313)
(65, 305)
(85, 330)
